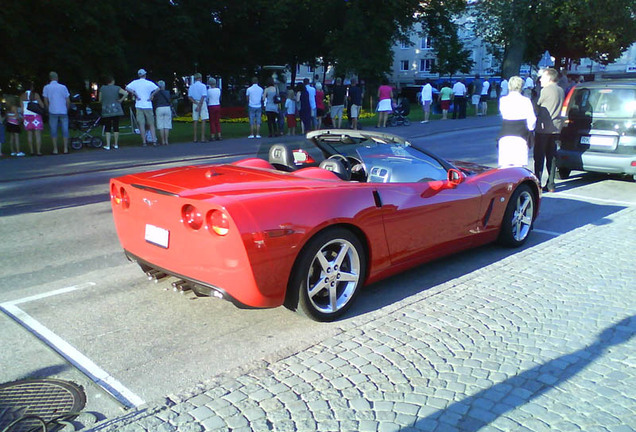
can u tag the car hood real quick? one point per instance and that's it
(471, 168)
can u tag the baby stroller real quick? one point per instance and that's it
(82, 122)
(400, 113)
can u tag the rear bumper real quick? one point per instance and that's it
(597, 162)
(199, 287)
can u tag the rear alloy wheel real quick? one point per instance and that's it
(518, 219)
(328, 274)
(564, 173)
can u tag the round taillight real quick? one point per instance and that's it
(115, 194)
(125, 199)
(191, 217)
(218, 222)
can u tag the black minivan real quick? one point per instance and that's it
(599, 132)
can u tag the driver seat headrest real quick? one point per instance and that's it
(281, 157)
(336, 167)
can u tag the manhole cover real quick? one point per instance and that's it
(25, 405)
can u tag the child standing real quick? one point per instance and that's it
(13, 128)
(290, 112)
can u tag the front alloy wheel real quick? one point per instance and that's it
(328, 274)
(518, 219)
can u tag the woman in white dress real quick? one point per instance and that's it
(517, 127)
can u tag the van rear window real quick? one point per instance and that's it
(603, 103)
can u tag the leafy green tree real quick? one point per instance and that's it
(569, 29)
(438, 22)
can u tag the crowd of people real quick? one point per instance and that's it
(530, 111)
(306, 103)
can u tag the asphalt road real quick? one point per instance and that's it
(63, 268)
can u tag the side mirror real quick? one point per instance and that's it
(455, 177)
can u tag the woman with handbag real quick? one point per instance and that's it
(271, 98)
(33, 110)
(111, 96)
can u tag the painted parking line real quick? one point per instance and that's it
(66, 350)
(551, 233)
(594, 199)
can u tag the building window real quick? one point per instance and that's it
(404, 45)
(426, 43)
(404, 65)
(426, 65)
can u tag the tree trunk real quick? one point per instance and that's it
(513, 57)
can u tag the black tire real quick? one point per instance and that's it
(407, 122)
(317, 267)
(392, 121)
(76, 143)
(564, 173)
(518, 218)
(97, 142)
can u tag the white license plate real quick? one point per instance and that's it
(157, 236)
(605, 141)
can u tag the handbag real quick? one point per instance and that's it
(277, 99)
(36, 108)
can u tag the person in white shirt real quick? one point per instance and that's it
(197, 94)
(214, 109)
(426, 98)
(312, 101)
(459, 100)
(255, 107)
(519, 120)
(528, 86)
(143, 91)
(485, 95)
(503, 88)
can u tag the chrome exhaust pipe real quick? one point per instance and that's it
(155, 275)
(181, 286)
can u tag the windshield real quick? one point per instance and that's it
(597, 103)
(397, 163)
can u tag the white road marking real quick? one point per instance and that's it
(552, 233)
(66, 350)
(593, 199)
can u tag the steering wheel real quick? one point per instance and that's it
(345, 161)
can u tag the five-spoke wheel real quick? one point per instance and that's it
(518, 218)
(328, 274)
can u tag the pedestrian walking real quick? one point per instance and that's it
(355, 102)
(290, 112)
(270, 100)
(549, 124)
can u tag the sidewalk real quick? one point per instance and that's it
(524, 344)
(91, 160)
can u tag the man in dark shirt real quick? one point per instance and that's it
(338, 95)
(355, 102)
(548, 127)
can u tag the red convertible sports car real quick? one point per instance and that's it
(307, 224)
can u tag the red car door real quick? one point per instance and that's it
(425, 220)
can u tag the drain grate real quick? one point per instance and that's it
(24, 403)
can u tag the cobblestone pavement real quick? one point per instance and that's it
(538, 341)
